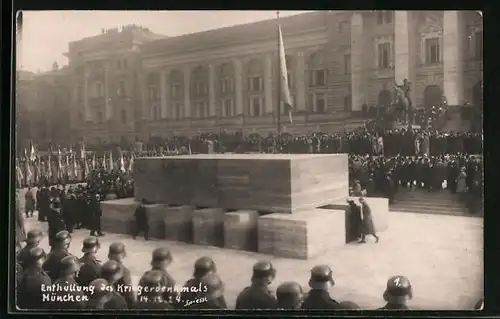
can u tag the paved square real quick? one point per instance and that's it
(441, 255)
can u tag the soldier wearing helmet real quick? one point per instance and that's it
(59, 250)
(152, 294)
(124, 285)
(258, 295)
(104, 298)
(29, 290)
(209, 296)
(203, 266)
(397, 293)
(33, 239)
(91, 266)
(348, 305)
(320, 282)
(70, 266)
(289, 296)
(161, 259)
(111, 272)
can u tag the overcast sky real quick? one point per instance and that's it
(45, 34)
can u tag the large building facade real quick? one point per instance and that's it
(133, 84)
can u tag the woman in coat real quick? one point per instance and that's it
(367, 226)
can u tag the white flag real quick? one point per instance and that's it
(285, 90)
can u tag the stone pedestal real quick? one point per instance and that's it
(240, 230)
(285, 183)
(208, 227)
(118, 215)
(302, 235)
(178, 223)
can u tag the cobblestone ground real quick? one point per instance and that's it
(441, 255)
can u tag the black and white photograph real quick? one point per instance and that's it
(248, 160)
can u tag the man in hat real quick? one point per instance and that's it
(34, 278)
(104, 298)
(29, 203)
(368, 228)
(161, 259)
(70, 294)
(354, 221)
(59, 251)
(397, 293)
(43, 203)
(320, 281)
(258, 295)
(68, 210)
(95, 215)
(55, 221)
(209, 296)
(124, 285)
(90, 265)
(289, 296)
(141, 220)
(203, 266)
(151, 295)
(33, 239)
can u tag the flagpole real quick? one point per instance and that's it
(278, 91)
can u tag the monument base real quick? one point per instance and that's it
(301, 235)
(240, 230)
(117, 215)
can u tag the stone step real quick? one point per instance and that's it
(425, 207)
(429, 203)
(431, 211)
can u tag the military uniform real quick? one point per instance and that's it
(397, 293)
(33, 239)
(152, 298)
(34, 278)
(289, 296)
(95, 216)
(318, 297)
(74, 298)
(141, 221)
(123, 286)
(58, 252)
(161, 259)
(90, 266)
(209, 299)
(258, 295)
(55, 221)
(104, 299)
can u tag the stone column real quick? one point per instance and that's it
(163, 94)
(268, 84)
(86, 108)
(357, 65)
(187, 92)
(453, 81)
(107, 102)
(238, 86)
(211, 90)
(401, 47)
(143, 91)
(300, 83)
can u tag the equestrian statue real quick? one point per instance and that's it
(402, 103)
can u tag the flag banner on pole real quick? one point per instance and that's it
(19, 174)
(285, 89)
(32, 153)
(111, 166)
(82, 151)
(131, 163)
(75, 167)
(26, 154)
(103, 163)
(122, 163)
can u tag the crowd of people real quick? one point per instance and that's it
(59, 280)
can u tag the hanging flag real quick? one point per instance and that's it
(111, 166)
(49, 167)
(131, 163)
(60, 165)
(19, 174)
(285, 90)
(190, 149)
(26, 154)
(93, 162)
(122, 163)
(103, 163)
(82, 151)
(32, 153)
(75, 167)
(29, 174)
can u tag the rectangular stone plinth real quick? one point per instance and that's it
(302, 235)
(156, 214)
(178, 223)
(279, 183)
(240, 230)
(208, 227)
(118, 215)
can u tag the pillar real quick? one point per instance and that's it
(453, 81)
(86, 108)
(187, 91)
(107, 102)
(211, 90)
(163, 94)
(300, 83)
(144, 96)
(401, 47)
(238, 86)
(268, 84)
(357, 65)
